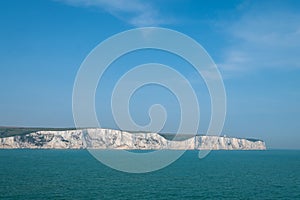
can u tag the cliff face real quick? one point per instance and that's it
(115, 139)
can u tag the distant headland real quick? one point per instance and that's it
(99, 138)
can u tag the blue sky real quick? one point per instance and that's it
(255, 44)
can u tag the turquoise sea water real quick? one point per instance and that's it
(75, 174)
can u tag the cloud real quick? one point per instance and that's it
(263, 37)
(135, 12)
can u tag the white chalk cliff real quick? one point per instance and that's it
(115, 139)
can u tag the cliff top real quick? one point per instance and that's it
(6, 131)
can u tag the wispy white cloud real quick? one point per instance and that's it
(135, 12)
(263, 38)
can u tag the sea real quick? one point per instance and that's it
(75, 174)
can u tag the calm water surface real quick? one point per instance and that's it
(75, 174)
